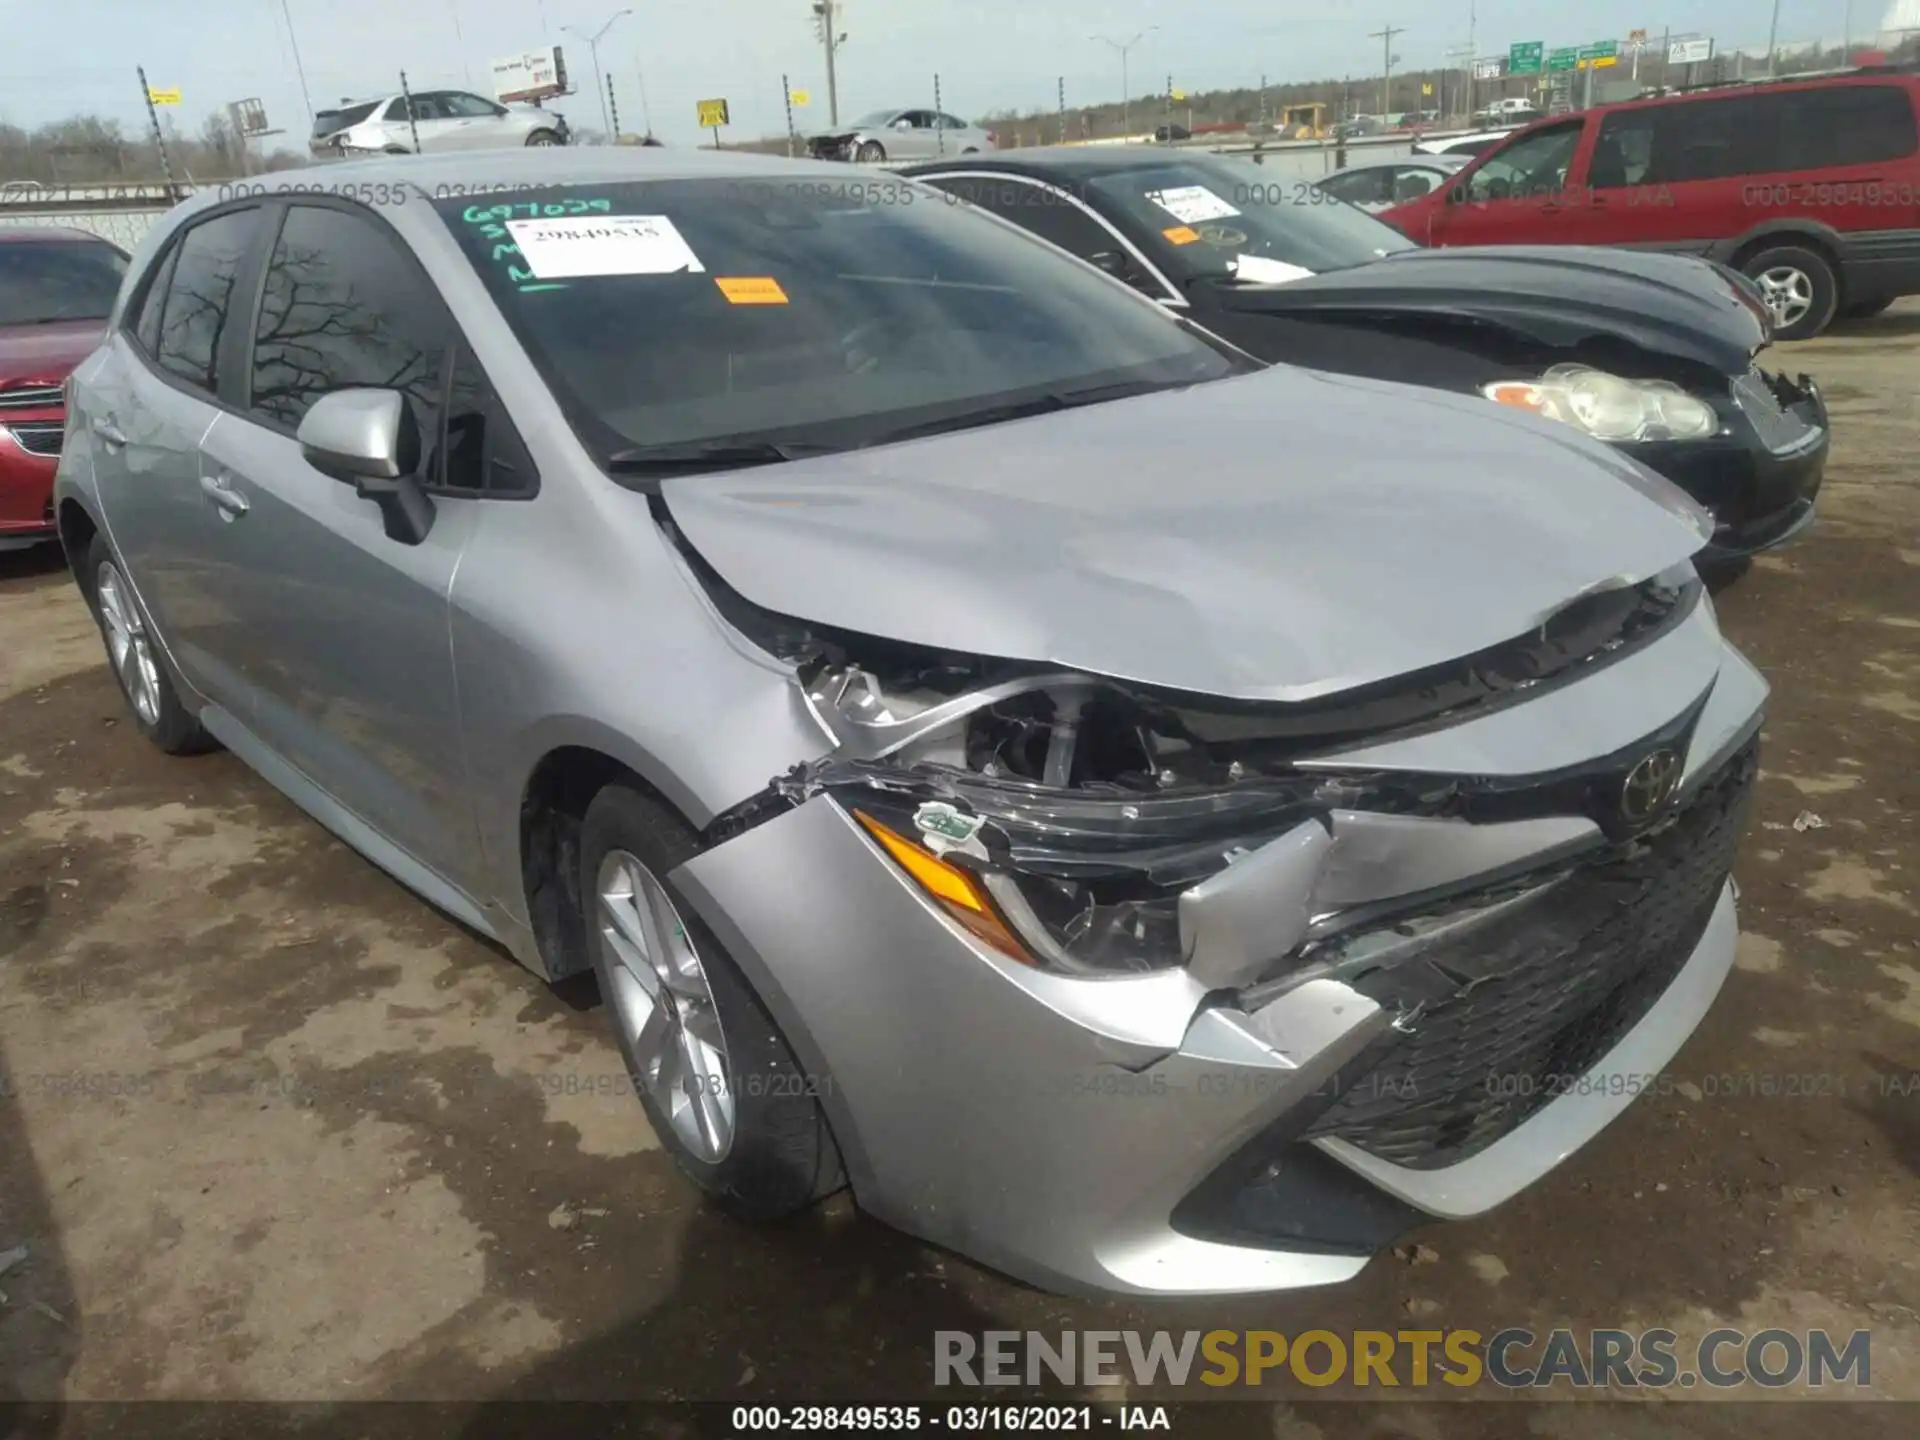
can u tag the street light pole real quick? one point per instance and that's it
(299, 69)
(593, 49)
(1385, 36)
(1773, 36)
(1126, 124)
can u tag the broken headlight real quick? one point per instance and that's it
(1069, 882)
(1608, 407)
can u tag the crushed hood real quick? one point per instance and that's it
(1277, 536)
(1673, 305)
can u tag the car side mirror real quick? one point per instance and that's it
(1113, 262)
(903, 124)
(368, 439)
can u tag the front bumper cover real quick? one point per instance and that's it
(1153, 1135)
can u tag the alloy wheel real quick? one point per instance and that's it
(127, 644)
(664, 1006)
(1788, 291)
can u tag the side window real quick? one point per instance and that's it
(470, 107)
(146, 327)
(483, 453)
(340, 307)
(1529, 168)
(1712, 139)
(1623, 151)
(1410, 182)
(949, 122)
(1359, 187)
(200, 295)
(1844, 125)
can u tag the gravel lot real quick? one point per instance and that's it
(326, 1144)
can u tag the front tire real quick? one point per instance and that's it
(717, 1080)
(135, 658)
(543, 137)
(1799, 287)
(870, 152)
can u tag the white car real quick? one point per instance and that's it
(1467, 145)
(1377, 185)
(440, 122)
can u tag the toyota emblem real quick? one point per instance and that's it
(1649, 785)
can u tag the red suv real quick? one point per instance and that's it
(1810, 187)
(57, 288)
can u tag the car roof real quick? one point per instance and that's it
(1417, 158)
(48, 234)
(1076, 162)
(481, 171)
(1864, 76)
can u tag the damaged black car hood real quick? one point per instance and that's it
(1672, 305)
(1278, 536)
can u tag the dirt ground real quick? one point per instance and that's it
(274, 1129)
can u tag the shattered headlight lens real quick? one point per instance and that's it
(1070, 882)
(1608, 407)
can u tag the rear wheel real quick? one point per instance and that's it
(136, 660)
(717, 1080)
(871, 152)
(1799, 288)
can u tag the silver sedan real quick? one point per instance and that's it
(998, 747)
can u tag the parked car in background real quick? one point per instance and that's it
(1655, 354)
(1358, 125)
(1468, 146)
(57, 287)
(434, 122)
(1376, 185)
(1168, 134)
(1809, 187)
(900, 135)
(1124, 810)
(1511, 112)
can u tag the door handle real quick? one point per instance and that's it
(231, 503)
(109, 433)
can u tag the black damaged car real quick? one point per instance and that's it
(1655, 354)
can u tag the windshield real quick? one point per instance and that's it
(42, 281)
(803, 314)
(1221, 217)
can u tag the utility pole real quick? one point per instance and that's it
(593, 47)
(1060, 96)
(828, 24)
(613, 110)
(298, 68)
(1385, 36)
(1126, 123)
(646, 110)
(1773, 35)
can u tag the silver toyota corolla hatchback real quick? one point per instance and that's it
(1115, 807)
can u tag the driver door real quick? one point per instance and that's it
(917, 140)
(1523, 192)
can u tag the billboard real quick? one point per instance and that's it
(530, 75)
(1691, 52)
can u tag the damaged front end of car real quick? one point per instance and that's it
(1340, 967)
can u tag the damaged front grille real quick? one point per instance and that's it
(1771, 412)
(1499, 1019)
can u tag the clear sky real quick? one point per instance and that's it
(989, 53)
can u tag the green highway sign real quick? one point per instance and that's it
(1562, 59)
(1523, 57)
(1600, 50)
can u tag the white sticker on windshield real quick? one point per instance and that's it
(1191, 204)
(1258, 270)
(579, 245)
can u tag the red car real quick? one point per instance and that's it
(1809, 187)
(57, 288)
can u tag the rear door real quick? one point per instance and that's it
(155, 398)
(433, 129)
(1516, 194)
(346, 641)
(476, 124)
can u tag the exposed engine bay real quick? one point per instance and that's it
(1091, 824)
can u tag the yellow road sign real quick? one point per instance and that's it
(163, 97)
(713, 113)
(1426, 88)
(1179, 94)
(800, 97)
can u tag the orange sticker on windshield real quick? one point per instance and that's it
(751, 289)
(1181, 234)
